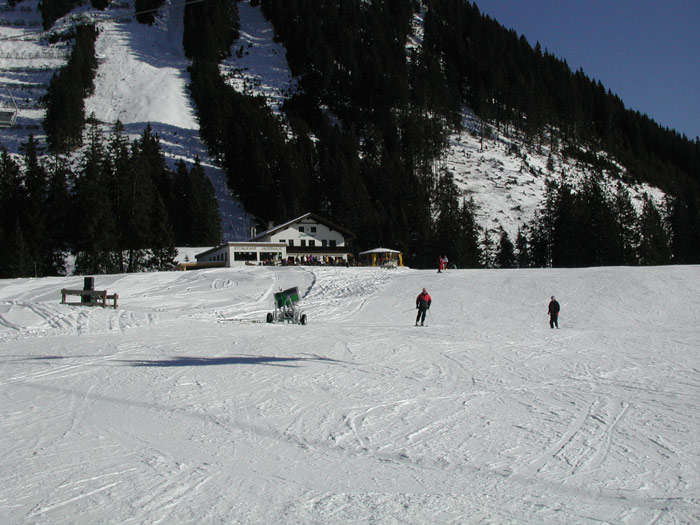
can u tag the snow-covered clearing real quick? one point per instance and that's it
(258, 65)
(173, 408)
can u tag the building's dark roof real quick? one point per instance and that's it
(237, 243)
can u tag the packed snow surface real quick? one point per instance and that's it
(181, 406)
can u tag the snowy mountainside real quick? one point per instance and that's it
(258, 65)
(142, 78)
(182, 406)
(508, 187)
(504, 176)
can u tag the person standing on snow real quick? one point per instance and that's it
(553, 313)
(422, 304)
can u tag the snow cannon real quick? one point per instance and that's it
(286, 309)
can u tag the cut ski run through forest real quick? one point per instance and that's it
(181, 406)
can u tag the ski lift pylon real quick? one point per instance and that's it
(9, 116)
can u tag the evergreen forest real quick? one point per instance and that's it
(357, 141)
(121, 209)
(379, 116)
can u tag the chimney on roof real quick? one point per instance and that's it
(270, 225)
(252, 232)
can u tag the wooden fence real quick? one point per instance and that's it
(90, 297)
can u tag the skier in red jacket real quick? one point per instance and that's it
(422, 304)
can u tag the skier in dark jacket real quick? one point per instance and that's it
(553, 313)
(422, 304)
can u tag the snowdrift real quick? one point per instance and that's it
(183, 406)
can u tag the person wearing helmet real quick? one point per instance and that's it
(553, 313)
(422, 304)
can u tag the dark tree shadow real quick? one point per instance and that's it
(233, 360)
(18, 358)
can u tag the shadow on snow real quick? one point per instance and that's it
(233, 360)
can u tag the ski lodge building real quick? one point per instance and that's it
(306, 239)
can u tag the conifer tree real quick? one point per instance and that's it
(51, 10)
(57, 206)
(13, 253)
(598, 236)
(65, 107)
(541, 240)
(523, 249)
(33, 216)
(118, 176)
(654, 245)
(182, 193)
(505, 254)
(17, 259)
(684, 223)
(93, 216)
(447, 211)
(627, 220)
(487, 250)
(162, 251)
(138, 201)
(206, 229)
(565, 228)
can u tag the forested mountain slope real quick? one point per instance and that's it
(421, 125)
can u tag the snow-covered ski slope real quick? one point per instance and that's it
(177, 408)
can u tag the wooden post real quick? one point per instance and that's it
(88, 285)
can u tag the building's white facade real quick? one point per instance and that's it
(306, 239)
(310, 237)
(240, 253)
(307, 232)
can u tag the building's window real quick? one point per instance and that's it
(245, 256)
(291, 242)
(324, 242)
(313, 229)
(269, 257)
(312, 243)
(303, 242)
(281, 240)
(332, 243)
(301, 229)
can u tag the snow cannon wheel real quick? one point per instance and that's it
(269, 317)
(303, 319)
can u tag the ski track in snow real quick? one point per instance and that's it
(176, 407)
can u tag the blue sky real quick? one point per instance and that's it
(645, 51)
